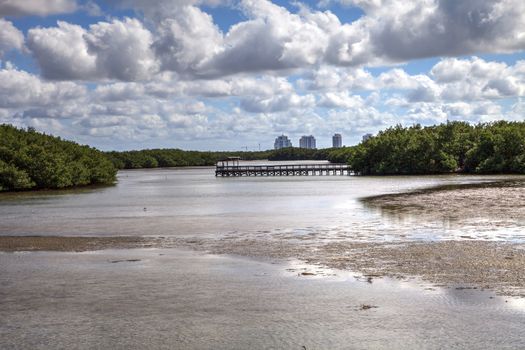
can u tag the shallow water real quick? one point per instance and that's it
(171, 299)
(168, 298)
(192, 201)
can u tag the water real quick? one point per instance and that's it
(192, 201)
(176, 299)
(180, 300)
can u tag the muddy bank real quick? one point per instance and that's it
(72, 244)
(469, 264)
(501, 203)
(463, 264)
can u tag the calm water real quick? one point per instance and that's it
(181, 300)
(186, 202)
(173, 299)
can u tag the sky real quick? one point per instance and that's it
(235, 74)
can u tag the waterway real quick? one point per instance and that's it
(175, 298)
(193, 202)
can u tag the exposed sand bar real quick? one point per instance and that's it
(501, 202)
(72, 244)
(490, 265)
(477, 264)
(470, 263)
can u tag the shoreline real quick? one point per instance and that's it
(497, 266)
(69, 243)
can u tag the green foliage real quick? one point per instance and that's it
(453, 147)
(31, 160)
(153, 158)
(294, 153)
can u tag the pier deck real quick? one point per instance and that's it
(283, 170)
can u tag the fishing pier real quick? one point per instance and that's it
(231, 167)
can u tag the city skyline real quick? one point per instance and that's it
(124, 74)
(308, 142)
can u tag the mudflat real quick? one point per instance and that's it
(500, 202)
(498, 265)
(73, 244)
(472, 264)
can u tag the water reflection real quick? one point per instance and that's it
(176, 299)
(494, 210)
(192, 201)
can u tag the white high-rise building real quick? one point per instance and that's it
(307, 142)
(337, 141)
(367, 137)
(282, 142)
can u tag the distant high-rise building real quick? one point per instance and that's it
(282, 142)
(366, 137)
(337, 141)
(307, 142)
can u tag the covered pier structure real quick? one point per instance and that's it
(232, 168)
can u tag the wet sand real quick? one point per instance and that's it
(499, 202)
(484, 265)
(479, 264)
(176, 299)
(495, 265)
(472, 264)
(68, 244)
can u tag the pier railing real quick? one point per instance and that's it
(283, 170)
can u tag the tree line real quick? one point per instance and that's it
(485, 148)
(497, 147)
(32, 160)
(154, 158)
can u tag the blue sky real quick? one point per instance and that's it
(214, 74)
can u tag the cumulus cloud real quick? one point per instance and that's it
(340, 100)
(336, 78)
(283, 41)
(172, 73)
(10, 37)
(186, 40)
(475, 79)
(276, 103)
(390, 31)
(108, 50)
(62, 52)
(398, 30)
(120, 91)
(122, 49)
(183, 38)
(92, 9)
(472, 111)
(19, 89)
(36, 7)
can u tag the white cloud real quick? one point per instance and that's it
(120, 91)
(173, 74)
(186, 40)
(62, 52)
(122, 49)
(476, 79)
(10, 37)
(401, 30)
(337, 78)
(36, 7)
(116, 50)
(341, 100)
(92, 9)
(19, 89)
(276, 103)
